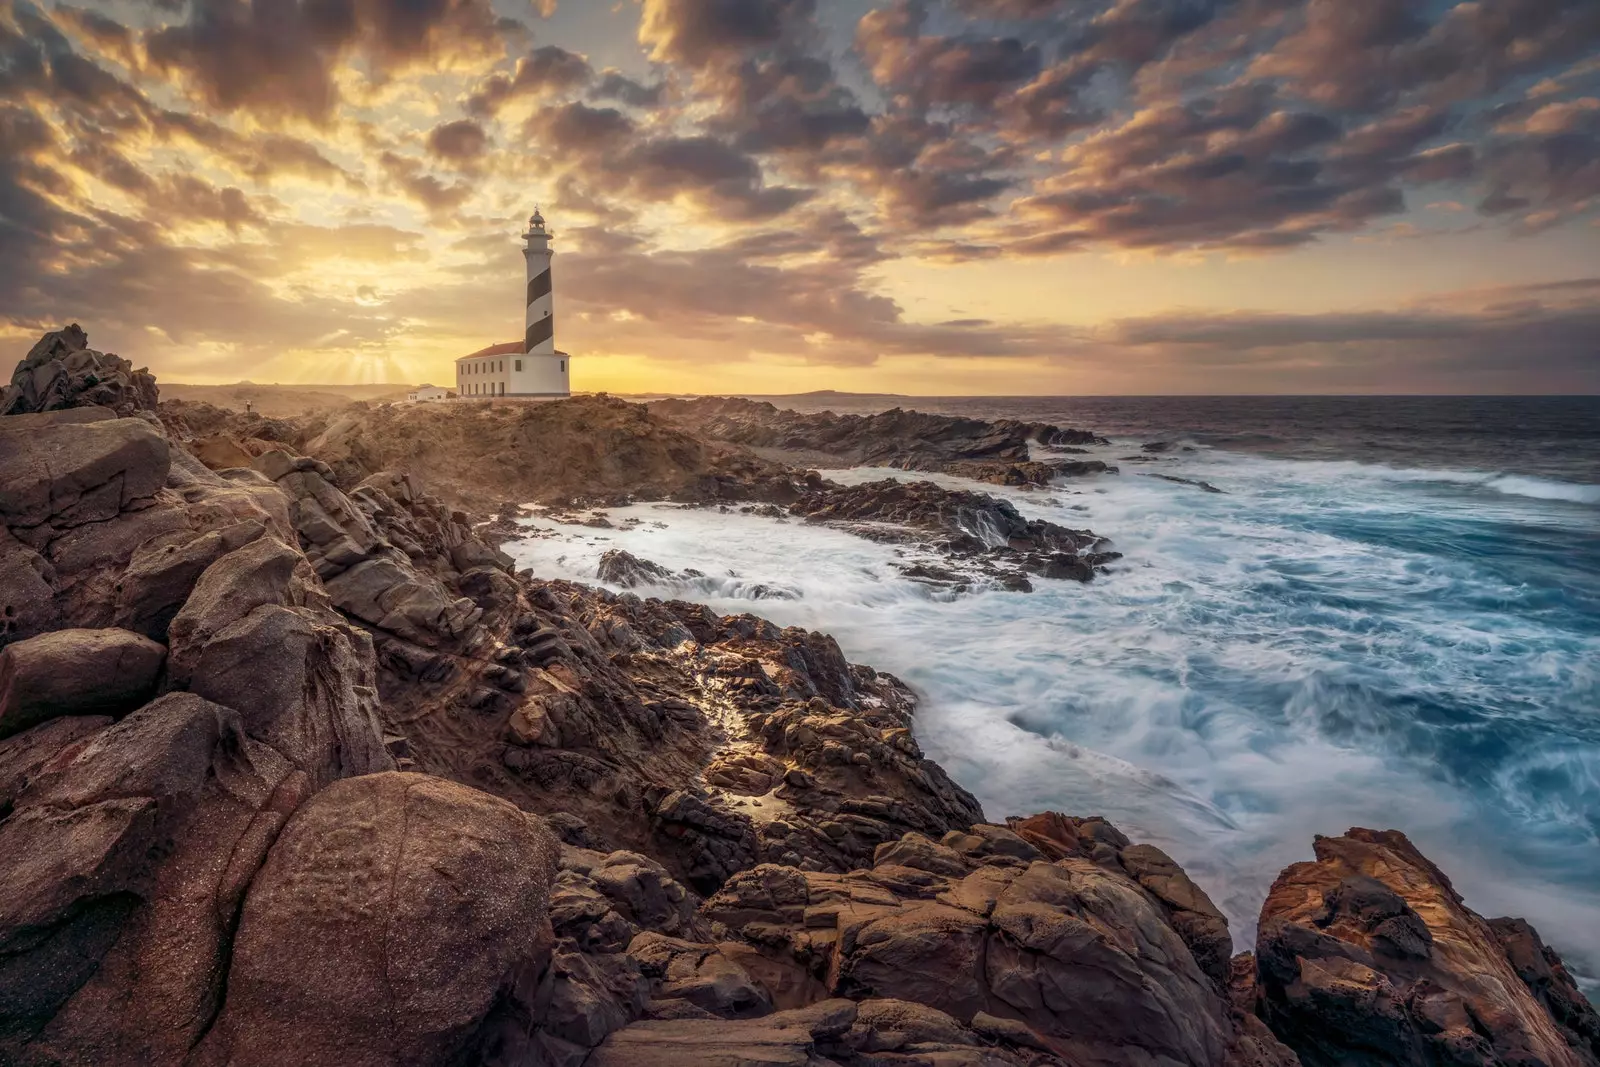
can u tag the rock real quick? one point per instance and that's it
(27, 605)
(1197, 920)
(1079, 955)
(164, 569)
(23, 755)
(76, 672)
(1368, 954)
(113, 933)
(302, 684)
(908, 440)
(260, 574)
(61, 371)
(1207, 486)
(398, 919)
(68, 468)
(1546, 977)
(220, 453)
(629, 571)
(779, 1040)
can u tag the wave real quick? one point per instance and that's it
(1544, 489)
(1329, 644)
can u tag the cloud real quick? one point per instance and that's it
(699, 32)
(546, 71)
(462, 142)
(279, 60)
(784, 155)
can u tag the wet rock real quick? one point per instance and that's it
(398, 919)
(76, 672)
(1207, 486)
(627, 570)
(1368, 953)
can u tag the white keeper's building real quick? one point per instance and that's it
(530, 369)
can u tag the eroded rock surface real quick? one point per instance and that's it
(1368, 954)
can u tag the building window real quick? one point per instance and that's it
(502, 388)
(518, 363)
(563, 366)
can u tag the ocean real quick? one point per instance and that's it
(1389, 617)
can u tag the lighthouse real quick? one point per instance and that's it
(530, 369)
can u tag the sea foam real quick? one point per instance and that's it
(1322, 645)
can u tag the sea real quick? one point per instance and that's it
(1388, 617)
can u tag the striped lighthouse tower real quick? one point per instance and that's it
(547, 369)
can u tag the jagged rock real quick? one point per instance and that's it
(76, 672)
(61, 371)
(1030, 942)
(908, 440)
(398, 919)
(303, 684)
(1368, 954)
(618, 567)
(259, 574)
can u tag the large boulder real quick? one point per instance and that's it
(69, 468)
(62, 371)
(76, 672)
(399, 919)
(1369, 955)
(128, 852)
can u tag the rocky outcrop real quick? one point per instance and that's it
(996, 451)
(62, 371)
(985, 532)
(1368, 954)
(985, 928)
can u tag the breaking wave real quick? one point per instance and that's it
(1323, 644)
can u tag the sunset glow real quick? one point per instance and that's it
(939, 197)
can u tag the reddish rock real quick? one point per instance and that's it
(399, 919)
(76, 672)
(1369, 955)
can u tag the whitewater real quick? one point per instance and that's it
(1323, 644)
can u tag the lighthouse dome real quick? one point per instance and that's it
(538, 218)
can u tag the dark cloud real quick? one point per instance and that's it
(700, 32)
(438, 197)
(928, 70)
(614, 85)
(462, 142)
(576, 129)
(546, 71)
(278, 59)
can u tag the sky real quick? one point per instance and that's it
(767, 196)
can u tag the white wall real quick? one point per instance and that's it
(538, 376)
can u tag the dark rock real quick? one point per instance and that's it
(69, 468)
(76, 672)
(61, 371)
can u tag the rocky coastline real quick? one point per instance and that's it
(295, 767)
